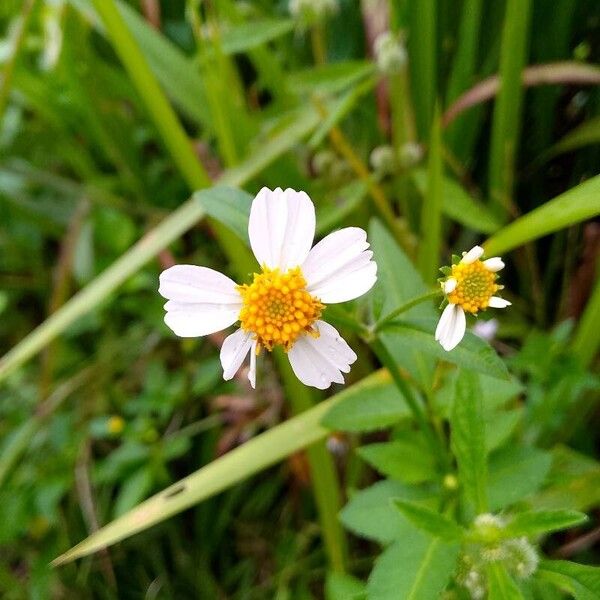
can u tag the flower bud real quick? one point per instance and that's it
(383, 160)
(390, 54)
(522, 558)
(409, 155)
(487, 527)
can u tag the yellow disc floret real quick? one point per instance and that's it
(277, 308)
(475, 285)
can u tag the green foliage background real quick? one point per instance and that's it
(113, 115)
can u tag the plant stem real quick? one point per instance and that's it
(322, 468)
(587, 335)
(154, 99)
(403, 308)
(18, 37)
(317, 39)
(437, 445)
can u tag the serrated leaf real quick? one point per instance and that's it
(414, 568)
(408, 460)
(468, 439)
(472, 353)
(370, 514)
(501, 586)
(430, 521)
(534, 522)
(375, 403)
(230, 206)
(580, 580)
(516, 472)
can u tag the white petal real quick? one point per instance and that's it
(281, 227)
(494, 264)
(319, 362)
(472, 255)
(189, 283)
(252, 371)
(496, 302)
(339, 267)
(450, 285)
(234, 350)
(451, 327)
(486, 330)
(194, 319)
(201, 300)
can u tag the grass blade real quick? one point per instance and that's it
(507, 111)
(575, 205)
(431, 213)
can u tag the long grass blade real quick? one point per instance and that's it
(507, 111)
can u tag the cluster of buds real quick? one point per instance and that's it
(386, 161)
(517, 555)
(309, 13)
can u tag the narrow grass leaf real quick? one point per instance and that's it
(575, 205)
(431, 212)
(459, 205)
(506, 121)
(245, 36)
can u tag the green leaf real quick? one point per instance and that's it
(133, 490)
(345, 201)
(501, 586)
(500, 425)
(580, 580)
(408, 460)
(376, 405)
(245, 36)
(430, 521)
(230, 206)
(340, 586)
(460, 206)
(516, 472)
(329, 78)
(534, 522)
(370, 513)
(577, 204)
(238, 464)
(414, 568)
(472, 353)
(574, 482)
(468, 439)
(587, 133)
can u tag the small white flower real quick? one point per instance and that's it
(390, 53)
(486, 330)
(283, 304)
(469, 287)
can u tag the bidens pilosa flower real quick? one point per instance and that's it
(284, 302)
(469, 286)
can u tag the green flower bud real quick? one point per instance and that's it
(383, 160)
(390, 54)
(410, 154)
(312, 12)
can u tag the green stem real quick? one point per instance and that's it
(587, 335)
(322, 468)
(18, 38)
(437, 445)
(403, 308)
(153, 97)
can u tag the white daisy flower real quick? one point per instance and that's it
(283, 304)
(469, 287)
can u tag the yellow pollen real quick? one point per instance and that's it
(475, 285)
(277, 309)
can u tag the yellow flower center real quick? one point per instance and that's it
(277, 308)
(475, 285)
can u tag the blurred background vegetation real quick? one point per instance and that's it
(112, 408)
